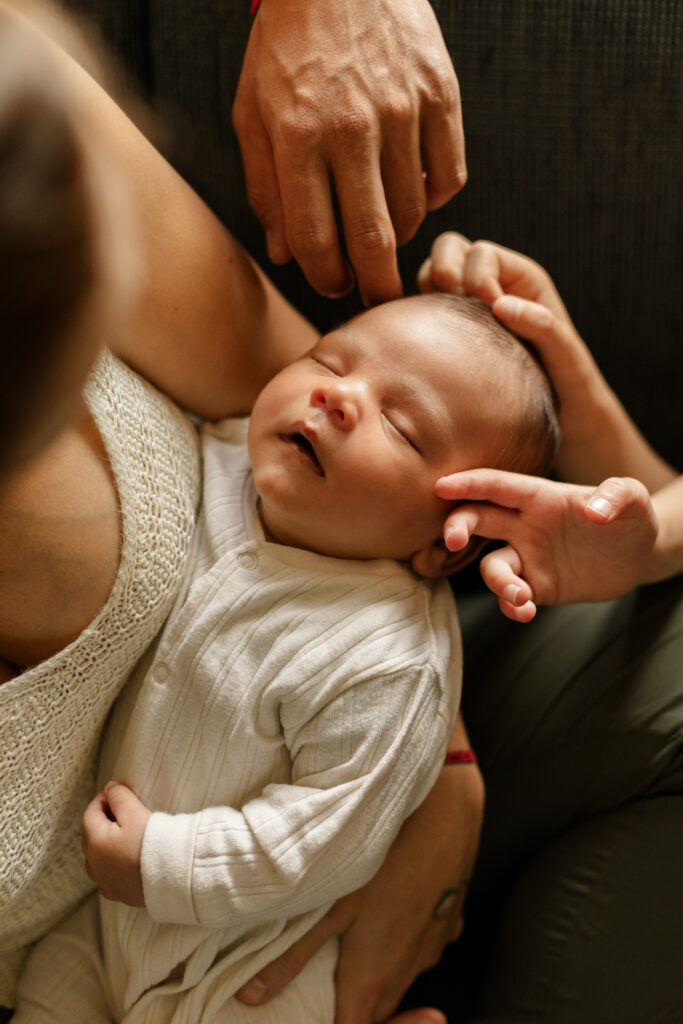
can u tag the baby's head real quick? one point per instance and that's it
(347, 442)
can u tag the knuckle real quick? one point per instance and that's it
(443, 92)
(447, 279)
(483, 247)
(354, 124)
(398, 111)
(299, 131)
(311, 242)
(408, 219)
(460, 238)
(372, 243)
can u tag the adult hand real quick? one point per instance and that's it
(355, 97)
(565, 542)
(397, 925)
(598, 437)
(113, 828)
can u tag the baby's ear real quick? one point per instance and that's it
(435, 560)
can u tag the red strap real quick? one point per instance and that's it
(254, 6)
(460, 757)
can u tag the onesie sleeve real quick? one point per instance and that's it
(361, 764)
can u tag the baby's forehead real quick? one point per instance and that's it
(408, 321)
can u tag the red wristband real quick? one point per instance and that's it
(460, 757)
(254, 6)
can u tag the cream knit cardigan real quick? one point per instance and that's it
(51, 716)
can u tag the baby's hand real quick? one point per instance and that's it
(113, 827)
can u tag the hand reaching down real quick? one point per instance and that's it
(356, 98)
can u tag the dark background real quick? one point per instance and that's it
(574, 124)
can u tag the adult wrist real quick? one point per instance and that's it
(666, 557)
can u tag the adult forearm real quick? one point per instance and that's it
(604, 441)
(667, 554)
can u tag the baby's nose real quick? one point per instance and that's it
(341, 401)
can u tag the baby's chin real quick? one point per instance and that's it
(333, 542)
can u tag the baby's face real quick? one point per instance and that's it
(347, 442)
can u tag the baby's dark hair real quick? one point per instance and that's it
(47, 238)
(530, 436)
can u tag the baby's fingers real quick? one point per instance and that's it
(96, 820)
(500, 571)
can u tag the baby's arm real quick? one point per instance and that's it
(360, 767)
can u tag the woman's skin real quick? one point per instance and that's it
(197, 318)
(203, 323)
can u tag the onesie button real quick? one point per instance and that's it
(247, 559)
(160, 672)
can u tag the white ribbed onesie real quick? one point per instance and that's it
(51, 716)
(295, 710)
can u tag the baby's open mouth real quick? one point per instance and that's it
(301, 442)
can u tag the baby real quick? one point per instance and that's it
(298, 704)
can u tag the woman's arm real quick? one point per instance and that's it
(667, 554)
(209, 328)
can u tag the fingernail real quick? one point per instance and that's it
(602, 506)
(255, 991)
(511, 594)
(509, 306)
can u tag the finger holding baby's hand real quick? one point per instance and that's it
(113, 829)
(444, 269)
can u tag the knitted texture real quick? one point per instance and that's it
(52, 715)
